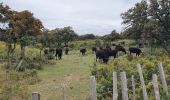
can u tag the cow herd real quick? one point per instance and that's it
(58, 52)
(102, 54)
(106, 53)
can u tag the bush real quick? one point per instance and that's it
(128, 63)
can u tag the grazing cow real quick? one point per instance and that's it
(45, 51)
(102, 55)
(113, 53)
(120, 48)
(59, 53)
(83, 51)
(135, 50)
(94, 49)
(66, 50)
(105, 54)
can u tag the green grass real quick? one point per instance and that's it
(73, 70)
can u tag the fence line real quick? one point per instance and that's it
(124, 86)
(133, 86)
(35, 96)
(162, 76)
(145, 95)
(93, 88)
(63, 91)
(93, 93)
(155, 85)
(115, 93)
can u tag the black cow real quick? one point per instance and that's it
(83, 51)
(66, 50)
(94, 49)
(105, 54)
(120, 48)
(59, 53)
(135, 50)
(45, 51)
(113, 53)
(102, 55)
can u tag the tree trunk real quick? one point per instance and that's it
(9, 56)
(22, 55)
(41, 53)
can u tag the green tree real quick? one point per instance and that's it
(159, 24)
(63, 35)
(68, 34)
(135, 19)
(149, 22)
(87, 36)
(111, 37)
(26, 25)
(7, 33)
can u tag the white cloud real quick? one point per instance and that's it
(85, 16)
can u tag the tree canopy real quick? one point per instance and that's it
(149, 21)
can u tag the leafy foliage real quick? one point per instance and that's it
(128, 63)
(149, 22)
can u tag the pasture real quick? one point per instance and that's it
(74, 71)
(129, 62)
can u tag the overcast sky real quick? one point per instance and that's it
(85, 16)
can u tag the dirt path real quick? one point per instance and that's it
(73, 71)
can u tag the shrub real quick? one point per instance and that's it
(128, 63)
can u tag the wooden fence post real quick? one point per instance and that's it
(162, 76)
(145, 96)
(93, 94)
(124, 86)
(35, 96)
(133, 86)
(63, 91)
(155, 85)
(115, 93)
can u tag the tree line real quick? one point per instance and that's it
(149, 21)
(144, 22)
(22, 28)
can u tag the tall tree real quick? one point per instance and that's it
(150, 21)
(159, 25)
(112, 36)
(26, 25)
(68, 34)
(7, 33)
(135, 19)
(64, 35)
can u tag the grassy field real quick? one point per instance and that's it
(73, 70)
